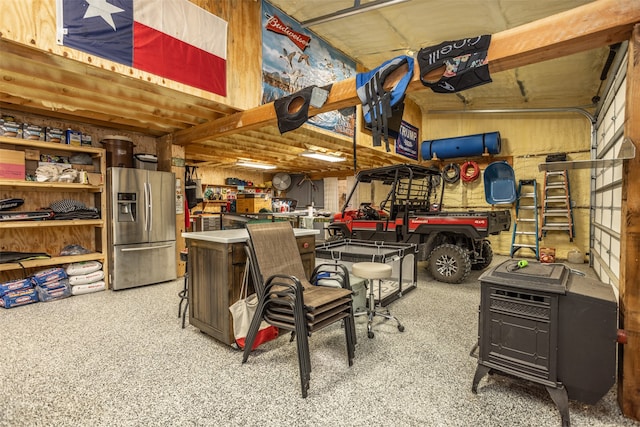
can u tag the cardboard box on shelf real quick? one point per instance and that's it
(12, 165)
(10, 129)
(244, 205)
(73, 137)
(94, 178)
(31, 154)
(54, 135)
(32, 132)
(86, 168)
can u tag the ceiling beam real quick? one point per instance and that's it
(355, 9)
(590, 26)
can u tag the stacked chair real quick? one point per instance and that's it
(288, 300)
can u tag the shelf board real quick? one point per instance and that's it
(43, 186)
(627, 152)
(52, 223)
(28, 143)
(256, 187)
(94, 256)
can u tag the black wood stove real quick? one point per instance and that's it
(550, 325)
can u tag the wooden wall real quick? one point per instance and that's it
(526, 140)
(33, 23)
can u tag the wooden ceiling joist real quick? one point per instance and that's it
(586, 27)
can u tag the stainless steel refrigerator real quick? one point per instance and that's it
(142, 227)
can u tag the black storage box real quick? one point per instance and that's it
(556, 157)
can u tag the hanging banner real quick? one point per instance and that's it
(407, 141)
(174, 39)
(294, 58)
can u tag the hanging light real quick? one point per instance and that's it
(255, 165)
(320, 156)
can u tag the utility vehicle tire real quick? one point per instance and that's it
(449, 263)
(488, 256)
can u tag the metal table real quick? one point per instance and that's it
(401, 256)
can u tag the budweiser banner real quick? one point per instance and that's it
(276, 25)
(293, 58)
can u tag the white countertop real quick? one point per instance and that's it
(236, 235)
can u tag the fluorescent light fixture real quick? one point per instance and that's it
(320, 156)
(355, 9)
(249, 164)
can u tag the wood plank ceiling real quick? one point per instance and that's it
(570, 81)
(375, 36)
(72, 90)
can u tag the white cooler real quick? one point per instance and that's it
(359, 288)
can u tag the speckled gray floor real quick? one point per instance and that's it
(122, 359)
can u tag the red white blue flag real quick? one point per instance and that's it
(174, 39)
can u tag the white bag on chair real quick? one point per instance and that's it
(243, 311)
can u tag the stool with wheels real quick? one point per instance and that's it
(374, 271)
(184, 293)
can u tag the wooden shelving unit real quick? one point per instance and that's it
(237, 189)
(51, 236)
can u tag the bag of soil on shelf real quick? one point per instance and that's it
(49, 275)
(53, 291)
(15, 285)
(83, 267)
(83, 279)
(88, 288)
(18, 298)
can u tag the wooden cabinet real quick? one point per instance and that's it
(307, 248)
(51, 236)
(215, 279)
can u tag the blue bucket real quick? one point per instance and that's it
(499, 183)
(461, 146)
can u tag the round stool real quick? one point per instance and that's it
(374, 271)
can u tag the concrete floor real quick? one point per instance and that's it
(122, 359)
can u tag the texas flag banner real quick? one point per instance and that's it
(174, 39)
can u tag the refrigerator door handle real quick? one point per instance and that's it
(145, 248)
(149, 205)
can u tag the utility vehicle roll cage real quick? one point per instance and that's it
(413, 188)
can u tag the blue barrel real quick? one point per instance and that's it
(461, 146)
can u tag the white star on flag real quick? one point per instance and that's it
(102, 9)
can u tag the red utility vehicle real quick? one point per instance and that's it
(452, 242)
